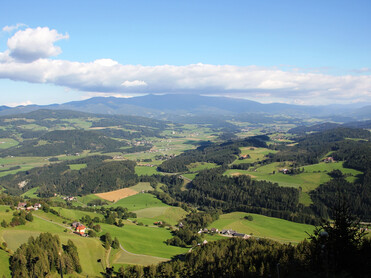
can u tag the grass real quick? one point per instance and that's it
(76, 214)
(264, 227)
(311, 178)
(256, 154)
(6, 143)
(123, 257)
(144, 240)
(142, 186)
(199, 166)
(170, 215)
(87, 198)
(139, 201)
(7, 216)
(77, 166)
(4, 264)
(145, 170)
(31, 193)
(26, 163)
(190, 176)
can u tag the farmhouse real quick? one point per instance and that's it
(81, 229)
(329, 159)
(244, 236)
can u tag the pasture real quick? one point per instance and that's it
(31, 193)
(6, 143)
(199, 166)
(139, 201)
(312, 177)
(263, 227)
(146, 170)
(77, 166)
(170, 215)
(142, 186)
(144, 240)
(255, 154)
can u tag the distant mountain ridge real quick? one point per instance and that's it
(158, 106)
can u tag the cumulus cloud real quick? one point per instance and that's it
(106, 76)
(134, 83)
(32, 44)
(11, 28)
(23, 103)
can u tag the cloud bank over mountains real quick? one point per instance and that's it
(30, 53)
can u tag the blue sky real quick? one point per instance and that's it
(305, 52)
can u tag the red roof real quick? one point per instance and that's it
(81, 227)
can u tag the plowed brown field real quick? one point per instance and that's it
(116, 195)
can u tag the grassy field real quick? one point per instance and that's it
(144, 240)
(77, 166)
(142, 186)
(145, 170)
(255, 154)
(4, 264)
(139, 201)
(6, 143)
(190, 176)
(87, 198)
(199, 166)
(26, 163)
(76, 214)
(170, 215)
(31, 193)
(7, 216)
(263, 227)
(313, 175)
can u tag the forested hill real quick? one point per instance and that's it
(217, 153)
(329, 126)
(311, 148)
(50, 133)
(65, 142)
(98, 176)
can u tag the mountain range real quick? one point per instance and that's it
(170, 105)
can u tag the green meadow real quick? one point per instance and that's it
(142, 186)
(4, 264)
(263, 227)
(255, 154)
(312, 177)
(144, 240)
(199, 166)
(146, 170)
(83, 200)
(31, 193)
(139, 201)
(77, 166)
(6, 143)
(170, 215)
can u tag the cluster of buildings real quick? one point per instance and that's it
(23, 206)
(224, 232)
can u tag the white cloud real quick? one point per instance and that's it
(23, 103)
(11, 28)
(106, 76)
(32, 44)
(135, 83)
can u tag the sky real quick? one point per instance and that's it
(298, 52)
